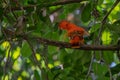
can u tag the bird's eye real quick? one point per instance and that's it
(67, 24)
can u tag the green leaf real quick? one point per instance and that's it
(115, 27)
(100, 2)
(52, 49)
(94, 28)
(86, 13)
(1, 71)
(30, 10)
(106, 37)
(115, 14)
(71, 7)
(100, 70)
(37, 75)
(26, 50)
(52, 8)
(55, 35)
(115, 31)
(108, 56)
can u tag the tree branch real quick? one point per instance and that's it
(48, 4)
(63, 44)
(68, 45)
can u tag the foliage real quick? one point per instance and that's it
(24, 58)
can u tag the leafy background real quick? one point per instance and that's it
(24, 58)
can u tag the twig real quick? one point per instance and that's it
(109, 70)
(90, 67)
(64, 2)
(44, 55)
(33, 52)
(48, 4)
(118, 52)
(111, 77)
(105, 17)
(8, 58)
(34, 56)
(6, 63)
(56, 10)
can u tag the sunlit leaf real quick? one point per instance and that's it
(6, 77)
(38, 56)
(106, 39)
(56, 63)
(43, 64)
(25, 74)
(19, 78)
(50, 66)
(5, 44)
(17, 65)
(16, 53)
(115, 14)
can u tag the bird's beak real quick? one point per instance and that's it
(86, 33)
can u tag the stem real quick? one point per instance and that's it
(90, 67)
(105, 18)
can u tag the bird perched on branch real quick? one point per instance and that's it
(74, 32)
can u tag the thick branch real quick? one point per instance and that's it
(84, 47)
(48, 4)
(64, 44)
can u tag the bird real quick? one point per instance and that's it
(75, 33)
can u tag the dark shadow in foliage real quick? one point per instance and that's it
(114, 70)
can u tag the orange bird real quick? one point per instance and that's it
(74, 32)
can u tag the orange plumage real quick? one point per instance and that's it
(75, 33)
